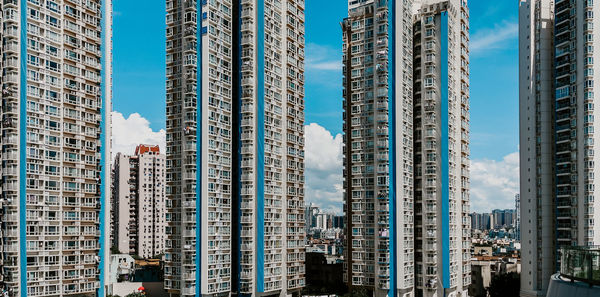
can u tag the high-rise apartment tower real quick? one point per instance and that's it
(235, 147)
(441, 122)
(56, 102)
(557, 121)
(406, 152)
(138, 202)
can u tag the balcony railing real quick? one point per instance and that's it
(581, 264)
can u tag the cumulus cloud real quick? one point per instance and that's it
(494, 38)
(494, 183)
(324, 178)
(129, 132)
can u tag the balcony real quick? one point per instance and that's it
(579, 273)
(581, 264)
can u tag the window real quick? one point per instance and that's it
(429, 81)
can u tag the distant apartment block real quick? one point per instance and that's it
(557, 103)
(138, 215)
(56, 103)
(502, 218)
(406, 147)
(480, 221)
(235, 148)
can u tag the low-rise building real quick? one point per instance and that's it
(484, 268)
(122, 267)
(128, 276)
(483, 250)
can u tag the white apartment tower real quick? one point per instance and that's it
(56, 103)
(235, 147)
(557, 110)
(138, 202)
(406, 166)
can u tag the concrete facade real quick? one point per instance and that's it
(56, 108)
(235, 147)
(557, 110)
(406, 147)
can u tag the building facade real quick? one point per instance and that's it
(518, 216)
(556, 101)
(235, 147)
(138, 202)
(378, 151)
(406, 147)
(477, 221)
(56, 103)
(441, 104)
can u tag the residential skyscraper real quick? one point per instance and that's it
(235, 147)
(486, 221)
(310, 216)
(138, 202)
(378, 147)
(441, 122)
(557, 109)
(476, 221)
(56, 103)
(406, 147)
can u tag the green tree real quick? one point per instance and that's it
(505, 285)
(114, 250)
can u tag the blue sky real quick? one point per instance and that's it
(139, 73)
(139, 59)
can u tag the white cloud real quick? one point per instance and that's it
(129, 132)
(323, 58)
(494, 38)
(324, 178)
(494, 183)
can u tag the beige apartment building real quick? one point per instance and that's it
(138, 215)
